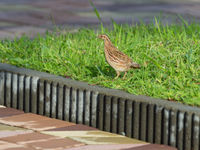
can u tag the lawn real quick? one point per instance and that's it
(169, 56)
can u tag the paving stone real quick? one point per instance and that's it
(4, 127)
(42, 141)
(22, 148)
(56, 144)
(5, 112)
(34, 122)
(124, 147)
(107, 147)
(106, 140)
(27, 138)
(77, 127)
(7, 131)
(6, 35)
(25, 18)
(4, 145)
(5, 24)
(152, 147)
(13, 133)
(95, 137)
(97, 133)
(32, 17)
(30, 31)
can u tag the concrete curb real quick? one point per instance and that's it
(141, 117)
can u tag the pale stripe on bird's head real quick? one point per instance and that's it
(104, 37)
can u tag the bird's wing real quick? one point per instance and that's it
(121, 57)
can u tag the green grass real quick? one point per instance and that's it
(169, 56)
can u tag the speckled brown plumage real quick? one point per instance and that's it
(116, 59)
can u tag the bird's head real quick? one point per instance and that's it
(104, 37)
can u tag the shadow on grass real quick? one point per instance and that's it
(105, 71)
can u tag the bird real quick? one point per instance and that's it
(119, 61)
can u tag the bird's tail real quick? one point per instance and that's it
(135, 65)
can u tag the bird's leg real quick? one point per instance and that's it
(124, 75)
(118, 73)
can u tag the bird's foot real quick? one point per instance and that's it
(124, 76)
(116, 77)
(118, 74)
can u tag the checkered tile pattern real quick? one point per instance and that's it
(27, 131)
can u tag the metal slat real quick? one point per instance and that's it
(47, 98)
(165, 126)
(73, 105)
(150, 121)
(41, 98)
(195, 132)
(21, 92)
(59, 111)
(2, 87)
(107, 113)
(27, 94)
(34, 94)
(136, 119)
(101, 112)
(121, 116)
(54, 100)
(66, 103)
(80, 106)
(143, 121)
(8, 90)
(173, 127)
(14, 90)
(128, 118)
(188, 131)
(94, 109)
(158, 124)
(114, 112)
(87, 108)
(180, 129)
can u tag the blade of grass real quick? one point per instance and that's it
(183, 20)
(97, 15)
(158, 26)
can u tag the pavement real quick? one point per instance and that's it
(31, 17)
(27, 131)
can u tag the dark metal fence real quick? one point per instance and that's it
(140, 117)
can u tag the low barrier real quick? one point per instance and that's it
(144, 118)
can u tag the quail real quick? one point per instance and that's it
(119, 61)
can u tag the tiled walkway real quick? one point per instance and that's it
(27, 131)
(30, 17)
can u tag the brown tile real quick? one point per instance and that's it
(30, 31)
(5, 112)
(21, 148)
(5, 34)
(77, 127)
(4, 127)
(41, 141)
(4, 145)
(152, 147)
(106, 140)
(34, 122)
(50, 124)
(56, 144)
(106, 147)
(13, 133)
(26, 138)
